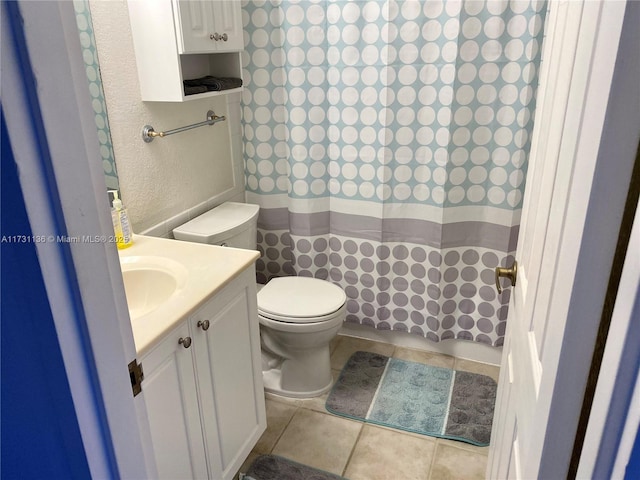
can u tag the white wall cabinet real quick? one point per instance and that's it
(208, 26)
(204, 394)
(175, 40)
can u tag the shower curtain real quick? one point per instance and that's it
(386, 143)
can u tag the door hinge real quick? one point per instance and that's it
(136, 375)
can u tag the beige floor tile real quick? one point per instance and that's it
(349, 345)
(459, 464)
(476, 367)
(301, 430)
(464, 446)
(318, 403)
(318, 440)
(405, 432)
(247, 463)
(294, 402)
(334, 343)
(278, 417)
(419, 356)
(382, 454)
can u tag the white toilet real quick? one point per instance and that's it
(298, 316)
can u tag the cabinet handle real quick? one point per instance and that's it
(203, 325)
(185, 342)
(225, 37)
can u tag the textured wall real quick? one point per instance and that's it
(169, 176)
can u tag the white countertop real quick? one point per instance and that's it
(209, 268)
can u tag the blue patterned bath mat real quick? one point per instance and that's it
(415, 397)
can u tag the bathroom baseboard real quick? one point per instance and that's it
(477, 352)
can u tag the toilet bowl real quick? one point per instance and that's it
(298, 316)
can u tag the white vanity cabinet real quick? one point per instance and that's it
(209, 26)
(177, 40)
(203, 387)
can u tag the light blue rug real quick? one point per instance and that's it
(415, 397)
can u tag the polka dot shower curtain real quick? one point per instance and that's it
(386, 143)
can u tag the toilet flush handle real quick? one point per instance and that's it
(203, 325)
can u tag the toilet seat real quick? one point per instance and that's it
(325, 323)
(300, 300)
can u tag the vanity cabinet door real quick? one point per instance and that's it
(229, 373)
(171, 400)
(203, 26)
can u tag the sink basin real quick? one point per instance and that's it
(167, 280)
(150, 282)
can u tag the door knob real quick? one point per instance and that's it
(510, 273)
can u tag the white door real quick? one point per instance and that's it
(557, 178)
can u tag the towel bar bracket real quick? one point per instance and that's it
(148, 133)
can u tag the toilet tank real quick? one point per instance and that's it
(231, 224)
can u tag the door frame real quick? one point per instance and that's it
(50, 122)
(603, 442)
(83, 281)
(604, 449)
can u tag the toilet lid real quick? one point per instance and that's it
(299, 299)
(219, 223)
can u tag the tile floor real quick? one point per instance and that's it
(303, 431)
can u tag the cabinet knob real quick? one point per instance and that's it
(203, 324)
(185, 342)
(217, 37)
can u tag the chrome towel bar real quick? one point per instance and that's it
(148, 133)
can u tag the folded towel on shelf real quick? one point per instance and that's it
(194, 89)
(221, 83)
(213, 84)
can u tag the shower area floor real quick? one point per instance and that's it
(303, 431)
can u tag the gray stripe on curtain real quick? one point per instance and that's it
(422, 232)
